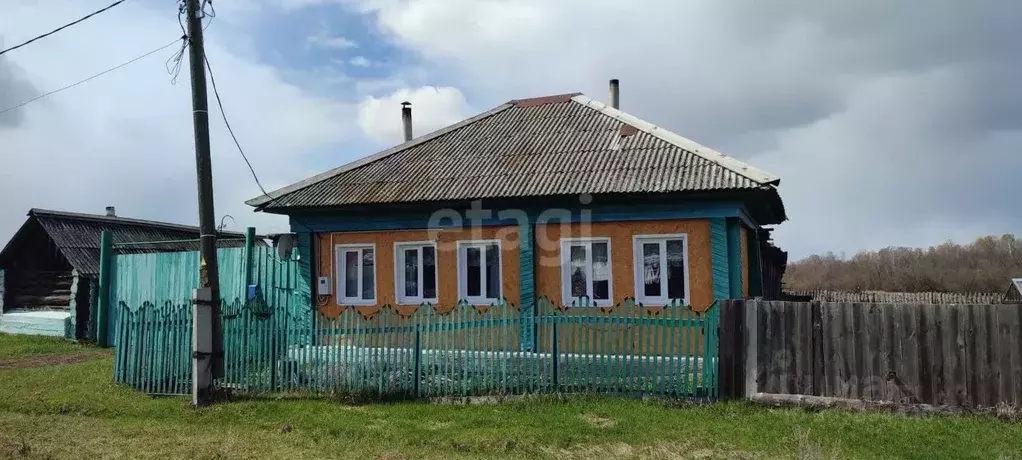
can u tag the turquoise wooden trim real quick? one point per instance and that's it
(366, 221)
(755, 265)
(303, 286)
(526, 285)
(3, 290)
(719, 257)
(734, 257)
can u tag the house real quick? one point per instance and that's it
(560, 197)
(49, 269)
(1014, 292)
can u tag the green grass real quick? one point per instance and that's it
(18, 346)
(74, 411)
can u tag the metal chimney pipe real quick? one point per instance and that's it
(406, 119)
(615, 93)
(111, 211)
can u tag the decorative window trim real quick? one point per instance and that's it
(638, 267)
(463, 272)
(399, 292)
(339, 279)
(565, 256)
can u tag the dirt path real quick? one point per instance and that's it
(51, 359)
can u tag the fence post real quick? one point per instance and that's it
(249, 245)
(751, 330)
(202, 346)
(103, 307)
(418, 358)
(555, 354)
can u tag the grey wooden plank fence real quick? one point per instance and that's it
(955, 355)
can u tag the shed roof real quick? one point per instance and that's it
(556, 145)
(76, 235)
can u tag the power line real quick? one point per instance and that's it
(72, 85)
(223, 114)
(237, 144)
(58, 29)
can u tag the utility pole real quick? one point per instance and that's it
(206, 330)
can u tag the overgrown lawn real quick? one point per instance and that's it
(75, 411)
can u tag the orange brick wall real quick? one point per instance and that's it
(548, 274)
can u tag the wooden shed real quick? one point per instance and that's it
(50, 267)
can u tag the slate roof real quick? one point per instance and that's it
(76, 235)
(556, 145)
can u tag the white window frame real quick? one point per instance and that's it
(638, 267)
(339, 267)
(399, 272)
(463, 245)
(566, 244)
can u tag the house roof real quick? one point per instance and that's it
(556, 145)
(76, 235)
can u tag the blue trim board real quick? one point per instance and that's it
(527, 285)
(364, 221)
(719, 257)
(734, 257)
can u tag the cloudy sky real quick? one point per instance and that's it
(890, 123)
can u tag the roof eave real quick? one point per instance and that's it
(260, 201)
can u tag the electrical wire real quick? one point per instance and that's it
(58, 29)
(230, 130)
(72, 85)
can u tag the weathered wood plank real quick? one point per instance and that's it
(841, 346)
(819, 377)
(936, 345)
(971, 355)
(922, 321)
(856, 341)
(901, 365)
(1016, 360)
(805, 320)
(890, 353)
(874, 351)
(793, 346)
(764, 351)
(954, 386)
(983, 395)
(1003, 347)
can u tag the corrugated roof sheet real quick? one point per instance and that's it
(77, 235)
(555, 145)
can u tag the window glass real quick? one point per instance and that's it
(350, 273)
(601, 272)
(429, 272)
(675, 269)
(578, 271)
(411, 272)
(651, 269)
(492, 271)
(368, 274)
(473, 282)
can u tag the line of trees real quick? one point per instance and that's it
(985, 265)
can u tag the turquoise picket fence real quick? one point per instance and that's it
(276, 341)
(151, 320)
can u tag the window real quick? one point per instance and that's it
(356, 274)
(415, 272)
(661, 268)
(479, 271)
(585, 269)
